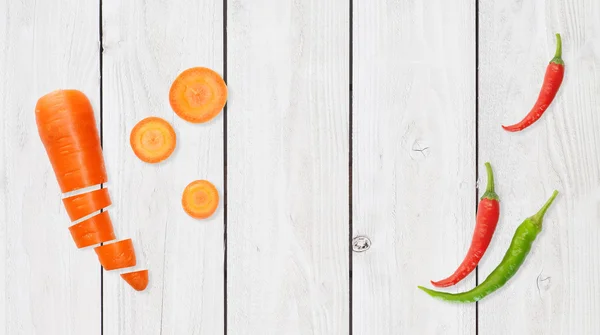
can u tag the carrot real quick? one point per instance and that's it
(137, 279)
(198, 94)
(153, 139)
(95, 230)
(200, 199)
(67, 128)
(84, 204)
(116, 255)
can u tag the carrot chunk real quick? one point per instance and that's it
(200, 199)
(84, 204)
(153, 139)
(137, 279)
(95, 230)
(198, 94)
(67, 128)
(116, 255)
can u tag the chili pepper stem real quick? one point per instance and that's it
(537, 217)
(489, 189)
(558, 54)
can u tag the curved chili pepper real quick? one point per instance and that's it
(513, 259)
(488, 212)
(555, 72)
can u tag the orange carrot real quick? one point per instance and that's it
(116, 255)
(137, 279)
(67, 128)
(84, 204)
(95, 230)
(200, 199)
(198, 94)
(152, 139)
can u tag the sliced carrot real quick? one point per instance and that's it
(67, 128)
(153, 139)
(116, 255)
(95, 230)
(137, 279)
(198, 94)
(200, 199)
(84, 204)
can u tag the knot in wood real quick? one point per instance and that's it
(361, 243)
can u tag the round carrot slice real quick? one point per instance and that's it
(153, 139)
(200, 199)
(137, 279)
(198, 94)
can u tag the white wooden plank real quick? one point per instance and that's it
(3, 172)
(288, 167)
(557, 290)
(413, 162)
(48, 286)
(146, 45)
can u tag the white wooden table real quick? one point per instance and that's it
(345, 118)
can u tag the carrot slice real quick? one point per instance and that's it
(116, 255)
(198, 94)
(67, 128)
(200, 199)
(137, 279)
(95, 230)
(84, 204)
(153, 139)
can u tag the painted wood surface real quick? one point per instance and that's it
(287, 167)
(146, 45)
(46, 283)
(413, 162)
(417, 147)
(557, 290)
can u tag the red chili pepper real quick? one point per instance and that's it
(552, 80)
(488, 212)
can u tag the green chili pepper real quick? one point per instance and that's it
(513, 259)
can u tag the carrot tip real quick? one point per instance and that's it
(153, 139)
(200, 199)
(136, 279)
(198, 94)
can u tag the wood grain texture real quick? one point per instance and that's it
(3, 173)
(288, 167)
(413, 162)
(47, 285)
(146, 45)
(557, 290)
